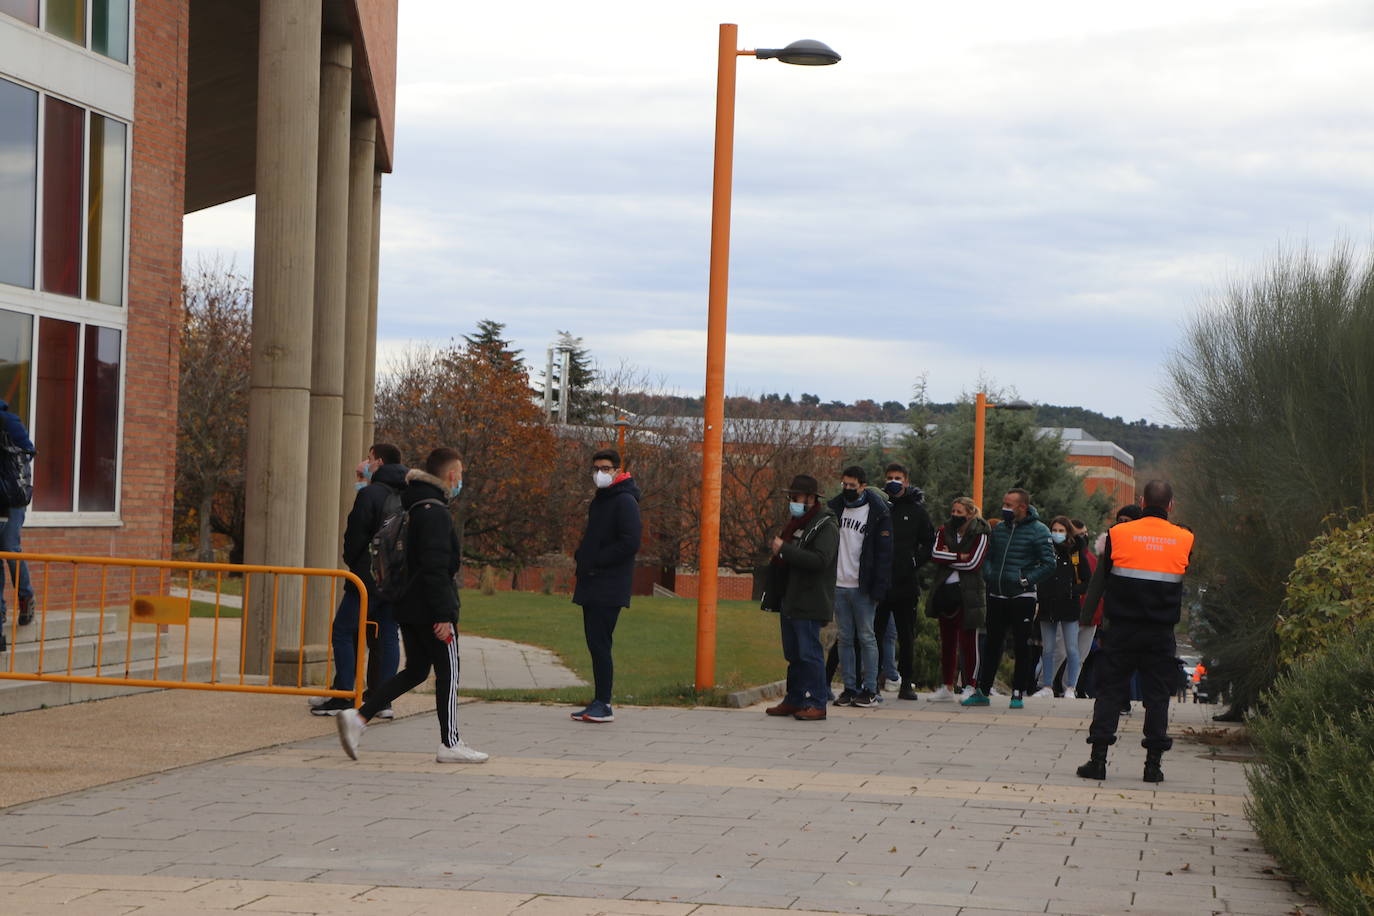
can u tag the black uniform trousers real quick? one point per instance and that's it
(902, 609)
(1130, 647)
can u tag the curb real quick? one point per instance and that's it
(742, 698)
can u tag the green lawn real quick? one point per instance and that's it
(655, 646)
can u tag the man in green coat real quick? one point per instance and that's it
(805, 554)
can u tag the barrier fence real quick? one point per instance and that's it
(97, 619)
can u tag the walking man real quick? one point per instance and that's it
(863, 573)
(427, 610)
(605, 572)
(384, 477)
(1141, 583)
(806, 551)
(913, 536)
(16, 463)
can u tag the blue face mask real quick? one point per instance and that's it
(1008, 515)
(1058, 537)
(367, 471)
(894, 487)
(454, 490)
(797, 509)
(360, 485)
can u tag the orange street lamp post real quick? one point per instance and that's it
(805, 53)
(980, 414)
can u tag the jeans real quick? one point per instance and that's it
(1049, 637)
(854, 616)
(383, 643)
(801, 646)
(598, 626)
(18, 569)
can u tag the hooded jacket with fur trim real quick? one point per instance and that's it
(433, 554)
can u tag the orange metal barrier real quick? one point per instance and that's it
(163, 594)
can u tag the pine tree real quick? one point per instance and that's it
(490, 344)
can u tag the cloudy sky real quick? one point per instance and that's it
(1035, 194)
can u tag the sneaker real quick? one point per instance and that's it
(908, 692)
(1044, 693)
(994, 692)
(943, 695)
(577, 716)
(967, 691)
(977, 698)
(25, 610)
(846, 698)
(460, 753)
(1016, 703)
(387, 713)
(318, 701)
(867, 700)
(598, 712)
(332, 706)
(351, 726)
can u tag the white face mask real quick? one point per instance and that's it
(602, 479)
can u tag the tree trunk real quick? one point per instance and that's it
(205, 550)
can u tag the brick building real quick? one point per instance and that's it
(118, 117)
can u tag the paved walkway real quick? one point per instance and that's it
(911, 808)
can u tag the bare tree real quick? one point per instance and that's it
(212, 403)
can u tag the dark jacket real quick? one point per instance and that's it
(912, 540)
(366, 516)
(966, 556)
(809, 558)
(1019, 550)
(15, 427)
(606, 556)
(433, 554)
(1059, 594)
(875, 557)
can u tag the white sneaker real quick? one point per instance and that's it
(351, 726)
(967, 691)
(387, 713)
(994, 692)
(1042, 693)
(459, 753)
(942, 695)
(318, 701)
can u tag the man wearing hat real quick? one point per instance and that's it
(804, 557)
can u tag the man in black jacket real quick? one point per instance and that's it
(863, 571)
(913, 536)
(605, 572)
(428, 609)
(379, 495)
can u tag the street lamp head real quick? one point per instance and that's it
(805, 53)
(1017, 404)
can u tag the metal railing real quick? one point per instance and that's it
(166, 594)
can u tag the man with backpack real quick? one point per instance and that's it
(426, 544)
(378, 499)
(16, 489)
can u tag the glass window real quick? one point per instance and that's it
(18, 182)
(63, 143)
(54, 427)
(105, 212)
(110, 28)
(99, 419)
(27, 10)
(67, 19)
(16, 361)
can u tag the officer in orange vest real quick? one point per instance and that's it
(1140, 579)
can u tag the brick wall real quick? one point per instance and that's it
(150, 371)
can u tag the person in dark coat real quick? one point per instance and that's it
(605, 572)
(427, 610)
(804, 556)
(379, 495)
(913, 536)
(863, 573)
(1060, 599)
(12, 524)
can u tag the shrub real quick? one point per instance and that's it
(1330, 593)
(1313, 791)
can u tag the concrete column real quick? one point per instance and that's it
(370, 394)
(327, 354)
(283, 293)
(361, 166)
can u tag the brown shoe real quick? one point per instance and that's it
(809, 715)
(782, 709)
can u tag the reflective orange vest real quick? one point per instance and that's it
(1149, 557)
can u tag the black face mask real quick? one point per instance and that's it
(853, 497)
(956, 522)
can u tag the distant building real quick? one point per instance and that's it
(1105, 466)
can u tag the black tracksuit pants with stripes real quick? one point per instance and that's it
(424, 651)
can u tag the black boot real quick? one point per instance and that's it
(1153, 773)
(1096, 767)
(908, 692)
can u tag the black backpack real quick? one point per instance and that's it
(16, 473)
(388, 550)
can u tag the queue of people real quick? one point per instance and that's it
(1038, 585)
